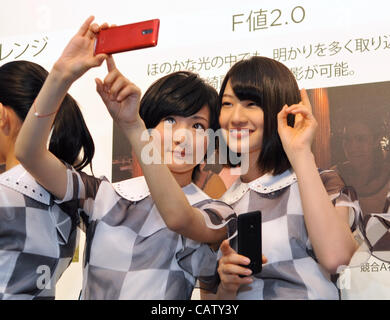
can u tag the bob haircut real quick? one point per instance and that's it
(178, 94)
(271, 85)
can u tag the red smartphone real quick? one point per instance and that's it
(128, 37)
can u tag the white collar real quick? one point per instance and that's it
(21, 181)
(266, 184)
(136, 189)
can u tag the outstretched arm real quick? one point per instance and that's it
(122, 99)
(327, 226)
(31, 145)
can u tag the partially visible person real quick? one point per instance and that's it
(37, 237)
(366, 168)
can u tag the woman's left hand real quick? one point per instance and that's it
(299, 138)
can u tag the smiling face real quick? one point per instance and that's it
(183, 140)
(242, 122)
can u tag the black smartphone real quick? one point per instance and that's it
(249, 239)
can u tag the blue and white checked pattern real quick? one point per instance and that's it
(130, 252)
(292, 271)
(37, 238)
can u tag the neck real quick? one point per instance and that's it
(183, 178)
(250, 166)
(11, 162)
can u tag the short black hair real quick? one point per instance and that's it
(180, 93)
(271, 85)
(183, 94)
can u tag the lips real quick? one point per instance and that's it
(239, 133)
(181, 153)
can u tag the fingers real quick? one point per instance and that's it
(127, 91)
(305, 99)
(110, 63)
(226, 248)
(299, 109)
(234, 261)
(85, 26)
(233, 282)
(117, 87)
(102, 92)
(282, 118)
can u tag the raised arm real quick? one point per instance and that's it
(327, 226)
(122, 99)
(31, 145)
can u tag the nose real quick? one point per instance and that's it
(238, 116)
(181, 135)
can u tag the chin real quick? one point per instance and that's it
(180, 168)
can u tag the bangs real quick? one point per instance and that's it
(180, 94)
(246, 85)
(183, 101)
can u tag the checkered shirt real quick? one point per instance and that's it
(37, 238)
(130, 253)
(292, 271)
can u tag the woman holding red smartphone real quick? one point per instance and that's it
(149, 237)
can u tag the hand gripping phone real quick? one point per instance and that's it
(249, 239)
(128, 37)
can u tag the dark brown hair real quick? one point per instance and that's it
(271, 85)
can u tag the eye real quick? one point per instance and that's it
(226, 103)
(199, 126)
(252, 104)
(170, 120)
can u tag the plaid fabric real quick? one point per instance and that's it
(375, 232)
(37, 238)
(130, 253)
(292, 271)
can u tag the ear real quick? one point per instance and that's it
(4, 120)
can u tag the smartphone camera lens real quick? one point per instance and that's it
(147, 31)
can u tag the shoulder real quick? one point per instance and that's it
(134, 189)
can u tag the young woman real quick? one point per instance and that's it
(306, 212)
(37, 237)
(147, 237)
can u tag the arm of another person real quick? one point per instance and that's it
(122, 99)
(327, 226)
(31, 145)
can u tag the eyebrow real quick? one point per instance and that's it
(199, 117)
(227, 95)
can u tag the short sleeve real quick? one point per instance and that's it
(342, 196)
(198, 259)
(80, 194)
